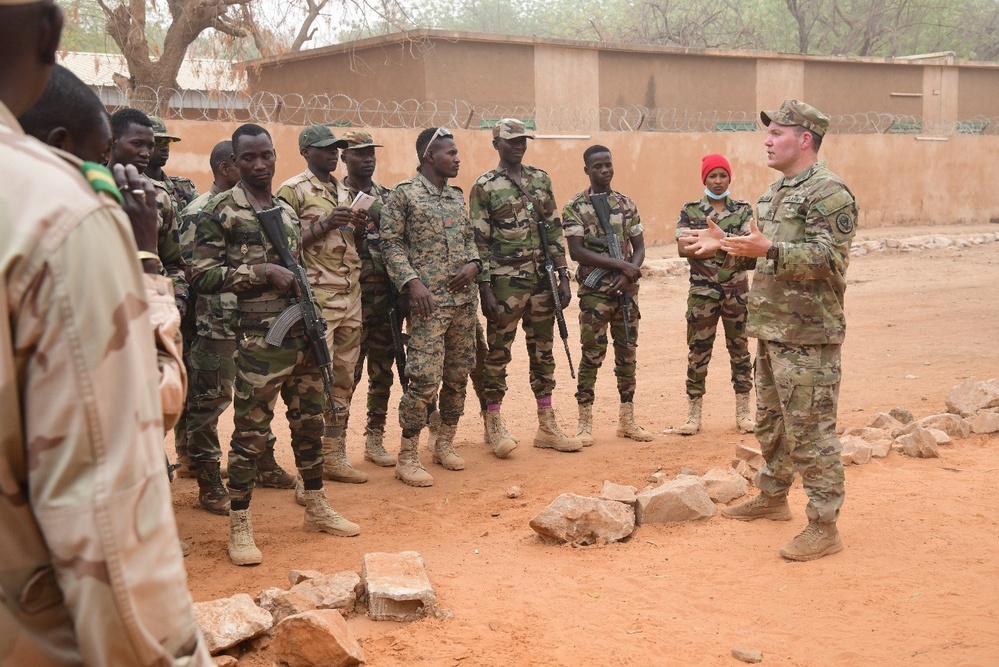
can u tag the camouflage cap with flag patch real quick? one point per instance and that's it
(511, 128)
(160, 130)
(793, 112)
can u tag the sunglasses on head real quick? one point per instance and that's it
(439, 133)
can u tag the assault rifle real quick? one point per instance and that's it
(397, 343)
(303, 307)
(602, 208)
(549, 267)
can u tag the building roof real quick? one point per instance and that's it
(102, 70)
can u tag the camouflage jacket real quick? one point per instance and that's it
(331, 262)
(182, 190)
(580, 219)
(90, 572)
(372, 264)
(506, 224)
(709, 277)
(798, 299)
(230, 254)
(425, 234)
(215, 313)
(168, 241)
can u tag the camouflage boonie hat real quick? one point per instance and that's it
(793, 112)
(319, 136)
(160, 131)
(511, 128)
(359, 139)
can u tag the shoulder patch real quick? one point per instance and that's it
(844, 223)
(834, 202)
(101, 180)
(765, 198)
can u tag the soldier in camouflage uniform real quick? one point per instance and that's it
(604, 281)
(89, 568)
(232, 254)
(802, 249)
(506, 206)
(715, 292)
(329, 228)
(182, 190)
(429, 251)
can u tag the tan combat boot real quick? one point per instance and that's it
(242, 549)
(584, 433)
(693, 423)
(815, 541)
(443, 452)
(211, 493)
(433, 426)
(184, 471)
(762, 506)
(743, 421)
(336, 467)
(626, 426)
(374, 450)
(408, 468)
(321, 518)
(270, 475)
(485, 426)
(550, 436)
(300, 490)
(502, 445)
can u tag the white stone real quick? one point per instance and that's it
(883, 420)
(880, 448)
(971, 396)
(331, 591)
(317, 638)
(904, 415)
(919, 444)
(743, 469)
(985, 421)
(298, 576)
(871, 434)
(745, 654)
(855, 450)
(282, 603)
(941, 437)
(954, 425)
(618, 492)
(682, 499)
(584, 520)
(398, 586)
(229, 621)
(751, 455)
(514, 492)
(658, 477)
(724, 485)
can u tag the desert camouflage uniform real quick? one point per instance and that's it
(597, 308)
(182, 190)
(90, 571)
(377, 345)
(425, 234)
(211, 364)
(230, 253)
(333, 268)
(509, 245)
(796, 312)
(716, 292)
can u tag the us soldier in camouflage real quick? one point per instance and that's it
(232, 254)
(715, 292)
(182, 190)
(429, 251)
(330, 232)
(89, 568)
(600, 305)
(506, 206)
(802, 248)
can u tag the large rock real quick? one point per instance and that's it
(871, 434)
(724, 485)
(317, 638)
(953, 425)
(618, 493)
(682, 499)
(398, 586)
(883, 420)
(971, 396)
(744, 469)
(855, 450)
(229, 621)
(331, 591)
(751, 455)
(941, 437)
(298, 576)
(903, 415)
(584, 520)
(881, 448)
(282, 603)
(985, 421)
(919, 444)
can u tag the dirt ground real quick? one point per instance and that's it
(918, 582)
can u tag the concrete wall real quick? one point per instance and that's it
(898, 179)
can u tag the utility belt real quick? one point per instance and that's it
(266, 307)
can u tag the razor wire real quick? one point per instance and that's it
(345, 111)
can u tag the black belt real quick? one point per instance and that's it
(271, 306)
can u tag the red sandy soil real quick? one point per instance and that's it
(918, 582)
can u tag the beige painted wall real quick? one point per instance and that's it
(898, 179)
(565, 77)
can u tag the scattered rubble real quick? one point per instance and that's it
(971, 396)
(228, 621)
(317, 638)
(985, 422)
(724, 485)
(398, 586)
(919, 444)
(333, 591)
(683, 499)
(619, 492)
(584, 520)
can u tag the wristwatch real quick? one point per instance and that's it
(773, 252)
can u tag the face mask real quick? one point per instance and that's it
(714, 196)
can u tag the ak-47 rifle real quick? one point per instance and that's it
(602, 208)
(549, 267)
(397, 343)
(303, 307)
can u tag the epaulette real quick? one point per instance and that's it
(101, 180)
(695, 202)
(739, 202)
(456, 187)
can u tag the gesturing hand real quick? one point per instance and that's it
(755, 244)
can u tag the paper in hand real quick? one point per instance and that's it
(362, 202)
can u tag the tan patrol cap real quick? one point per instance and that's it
(159, 128)
(793, 112)
(511, 128)
(359, 139)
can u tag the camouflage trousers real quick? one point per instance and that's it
(343, 336)
(797, 391)
(211, 372)
(441, 354)
(378, 349)
(703, 313)
(597, 313)
(262, 372)
(477, 376)
(528, 303)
